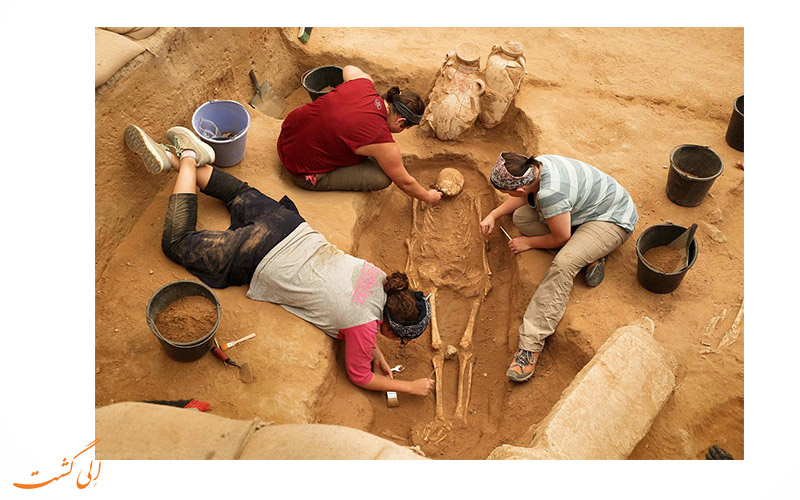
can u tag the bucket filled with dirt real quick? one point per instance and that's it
(184, 315)
(661, 268)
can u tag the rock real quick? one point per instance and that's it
(715, 233)
(450, 352)
(610, 405)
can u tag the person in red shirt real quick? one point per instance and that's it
(343, 140)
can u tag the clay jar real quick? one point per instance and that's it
(454, 103)
(505, 68)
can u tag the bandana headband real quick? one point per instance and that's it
(501, 178)
(415, 329)
(406, 113)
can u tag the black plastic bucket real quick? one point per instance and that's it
(735, 135)
(314, 80)
(652, 279)
(169, 293)
(692, 171)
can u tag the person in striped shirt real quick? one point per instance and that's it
(564, 204)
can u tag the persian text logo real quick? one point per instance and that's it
(89, 478)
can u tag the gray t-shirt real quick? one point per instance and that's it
(569, 185)
(314, 280)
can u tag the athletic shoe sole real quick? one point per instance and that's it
(517, 377)
(153, 154)
(188, 140)
(594, 275)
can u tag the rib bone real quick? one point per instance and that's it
(438, 365)
(465, 362)
(436, 339)
(466, 339)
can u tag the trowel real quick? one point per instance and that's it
(681, 244)
(265, 99)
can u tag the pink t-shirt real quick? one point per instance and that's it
(359, 341)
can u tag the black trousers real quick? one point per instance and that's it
(230, 257)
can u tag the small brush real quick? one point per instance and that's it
(303, 34)
(391, 399)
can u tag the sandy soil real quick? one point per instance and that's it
(619, 99)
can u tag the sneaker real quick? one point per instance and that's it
(595, 272)
(183, 138)
(154, 155)
(523, 366)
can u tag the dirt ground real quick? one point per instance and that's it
(619, 99)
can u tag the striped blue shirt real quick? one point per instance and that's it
(569, 185)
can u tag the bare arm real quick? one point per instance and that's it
(388, 157)
(419, 387)
(506, 208)
(560, 232)
(352, 73)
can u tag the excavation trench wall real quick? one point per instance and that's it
(617, 98)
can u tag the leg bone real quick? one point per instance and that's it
(465, 362)
(436, 339)
(486, 268)
(438, 368)
(466, 339)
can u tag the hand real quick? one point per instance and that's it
(519, 244)
(487, 226)
(383, 367)
(421, 387)
(433, 197)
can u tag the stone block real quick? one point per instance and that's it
(610, 405)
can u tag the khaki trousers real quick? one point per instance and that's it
(591, 241)
(366, 176)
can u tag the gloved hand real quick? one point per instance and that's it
(717, 453)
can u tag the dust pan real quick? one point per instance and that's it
(265, 99)
(681, 244)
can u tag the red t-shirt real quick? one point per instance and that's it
(359, 341)
(323, 135)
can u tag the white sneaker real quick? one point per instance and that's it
(153, 154)
(183, 138)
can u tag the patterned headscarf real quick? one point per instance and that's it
(408, 331)
(501, 178)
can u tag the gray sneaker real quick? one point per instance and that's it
(523, 366)
(595, 272)
(153, 154)
(183, 138)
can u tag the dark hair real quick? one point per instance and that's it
(517, 164)
(399, 300)
(410, 99)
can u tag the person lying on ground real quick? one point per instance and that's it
(565, 204)
(343, 140)
(286, 262)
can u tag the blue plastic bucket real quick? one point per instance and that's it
(216, 119)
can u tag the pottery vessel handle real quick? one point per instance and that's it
(522, 62)
(481, 86)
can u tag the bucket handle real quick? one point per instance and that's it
(303, 77)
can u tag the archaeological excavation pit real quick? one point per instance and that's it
(575, 102)
(477, 314)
